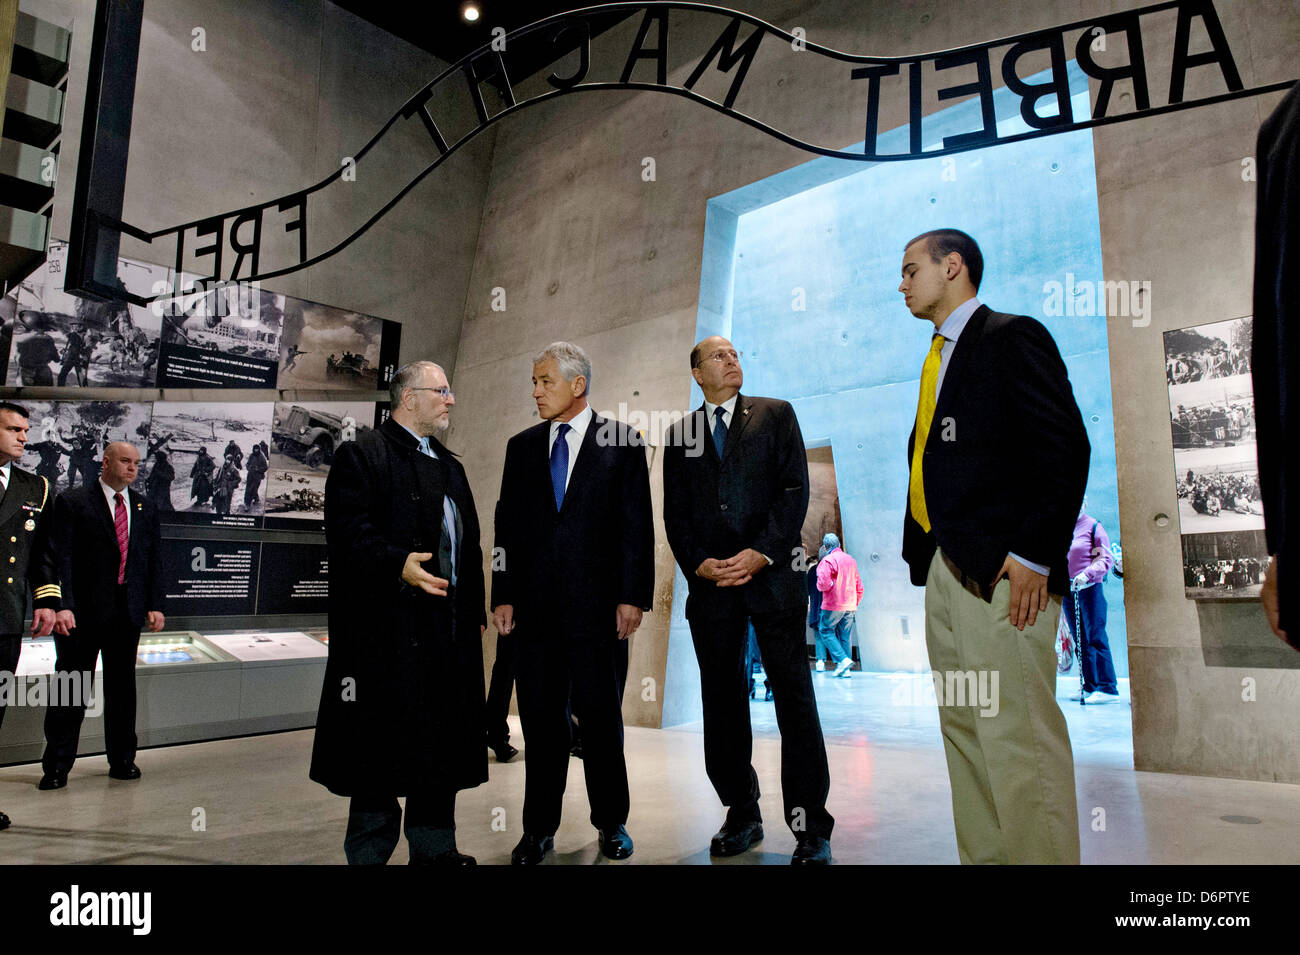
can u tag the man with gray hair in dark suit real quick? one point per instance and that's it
(576, 536)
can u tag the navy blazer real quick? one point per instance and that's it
(1006, 460)
(568, 569)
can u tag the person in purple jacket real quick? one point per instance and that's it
(1090, 560)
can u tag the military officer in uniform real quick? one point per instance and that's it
(26, 559)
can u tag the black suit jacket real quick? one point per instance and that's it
(755, 496)
(1275, 354)
(1006, 462)
(26, 559)
(85, 545)
(570, 569)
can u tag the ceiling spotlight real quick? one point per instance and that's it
(469, 12)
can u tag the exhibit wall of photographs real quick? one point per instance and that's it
(1212, 420)
(242, 466)
(230, 336)
(239, 465)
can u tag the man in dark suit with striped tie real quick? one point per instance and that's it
(107, 542)
(575, 535)
(998, 466)
(735, 498)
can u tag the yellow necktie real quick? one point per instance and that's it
(924, 416)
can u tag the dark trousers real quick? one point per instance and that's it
(10, 647)
(374, 823)
(1094, 647)
(553, 670)
(118, 640)
(728, 738)
(499, 690)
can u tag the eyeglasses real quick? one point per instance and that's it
(724, 356)
(444, 392)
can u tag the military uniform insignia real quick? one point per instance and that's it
(30, 525)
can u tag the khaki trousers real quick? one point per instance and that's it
(1009, 757)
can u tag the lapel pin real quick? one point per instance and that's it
(30, 525)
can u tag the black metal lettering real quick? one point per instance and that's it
(1135, 69)
(252, 249)
(1219, 52)
(983, 85)
(659, 54)
(724, 47)
(1031, 93)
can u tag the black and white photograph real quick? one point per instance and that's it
(1229, 564)
(1203, 352)
(1218, 490)
(1216, 475)
(207, 463)
(325, 347)
(304, 437)
(1219, 413)
(67, 438)
(225, 337)
(68, 341)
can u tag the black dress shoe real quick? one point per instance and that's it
(126, 771)
(812, 850)
(53, 780)
(531, 849)
(451, 857)
(735, 837)
(4, 821)
(615, 843)
(504, 752)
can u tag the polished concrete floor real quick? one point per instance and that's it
(249, 800)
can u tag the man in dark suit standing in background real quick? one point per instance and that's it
(577, 539)
(24, 550)
(107, 541)
(998, 466)
(735, 497)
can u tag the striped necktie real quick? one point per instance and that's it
(924, 417)
(123, 538)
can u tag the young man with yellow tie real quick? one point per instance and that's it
(998, 465)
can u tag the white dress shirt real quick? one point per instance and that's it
(573, 437)
(728, 412)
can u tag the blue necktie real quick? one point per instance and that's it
(448, 512)
(719, 429)
(559, 464)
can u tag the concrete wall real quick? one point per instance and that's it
(587, 250)
(282, 92)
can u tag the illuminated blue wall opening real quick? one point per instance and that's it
(850, 361)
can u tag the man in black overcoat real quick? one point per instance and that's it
(576, 536)
(401, 710)
(735, 498)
